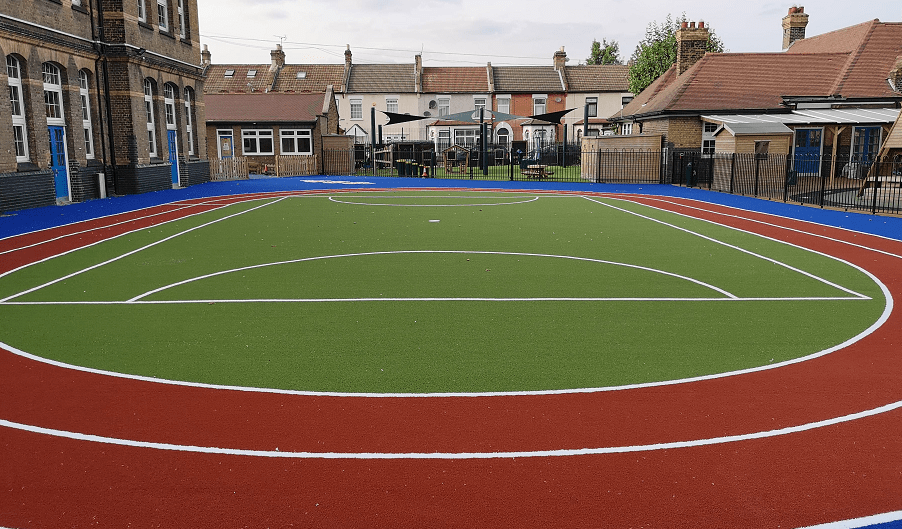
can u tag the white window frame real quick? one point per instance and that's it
(480, 102)
(84, 94)
(294, 138)
(142, 11)
(356, 109)
(189, 121)
(151, 119)
(163, 15)
(626, 129)
(17, 106)
(258, 138)
(169, 105)
(391, 104)
(53, 94)
(503, 103)
(592, 103)
(181, 15)
(539, 104)
(444, 106)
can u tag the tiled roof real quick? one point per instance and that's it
(598, 78)
(217, 81)
(527, 79)
(315, 78)
(438, 80)
(382, 79)
(853, 62)
(267, 108)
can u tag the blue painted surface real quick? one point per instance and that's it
(47, 217)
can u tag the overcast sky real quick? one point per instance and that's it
(473, 32)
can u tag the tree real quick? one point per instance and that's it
(604, 52)
(657, 52)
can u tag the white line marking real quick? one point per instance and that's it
(333, 199)
(860, 522)
(456, 455)
(399, 252)
(743, 250)
(155, 243)
(363, 300)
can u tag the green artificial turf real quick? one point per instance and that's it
(387, 344)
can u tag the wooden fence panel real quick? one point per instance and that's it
(229, 169)
(303, 165)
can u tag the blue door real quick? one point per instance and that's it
(173, 157)
(808, 152)
(58, 161)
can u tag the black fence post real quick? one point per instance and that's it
(598, 167)
(876, 169)
(823, 189)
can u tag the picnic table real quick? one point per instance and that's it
(536, 171)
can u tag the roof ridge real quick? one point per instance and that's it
(853, 57)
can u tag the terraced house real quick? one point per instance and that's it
(434, 93)
(104, 97)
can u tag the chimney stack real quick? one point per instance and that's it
(348, 56)
(560, 59)
(895, 75)
(205, 57)
(794, 25)
(692, 43)
(278, 58)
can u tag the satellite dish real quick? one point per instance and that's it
(433, 104)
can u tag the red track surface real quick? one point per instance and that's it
(842, 471)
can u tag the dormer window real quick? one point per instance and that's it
(251, 74)
(229, 74)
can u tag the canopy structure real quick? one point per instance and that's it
(472, 116)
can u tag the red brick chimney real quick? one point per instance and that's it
(691, 44)
(794, 24)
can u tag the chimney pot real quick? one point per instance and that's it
(701, 25)
(684, 25)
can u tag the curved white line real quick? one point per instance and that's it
(399, 252)
(333, 199)
(455, 455)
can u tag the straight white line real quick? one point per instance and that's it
(98, 265)
(333, 199)
(860, 522)
(743, 250)
(106, 227)
(399, 252)
(796, 230)
(349, 300)
(455, 455)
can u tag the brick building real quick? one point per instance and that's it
(111, 88)
(833, 94)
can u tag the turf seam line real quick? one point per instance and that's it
(743, 250)
(459, 455)
(114, 259)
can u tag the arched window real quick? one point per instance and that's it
(189, 119)
(151, 121)
(169, 91)
(83, 88)
(503, 136)
(16, 101)
(53, 94)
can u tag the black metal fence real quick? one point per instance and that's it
(868, 185)
(557, 162)
(847, 182)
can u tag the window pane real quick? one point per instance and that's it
(266, 145)
(304, 146)
(250, 145)
(14, 101)
(288, 146)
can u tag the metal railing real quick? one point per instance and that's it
(863, 184)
